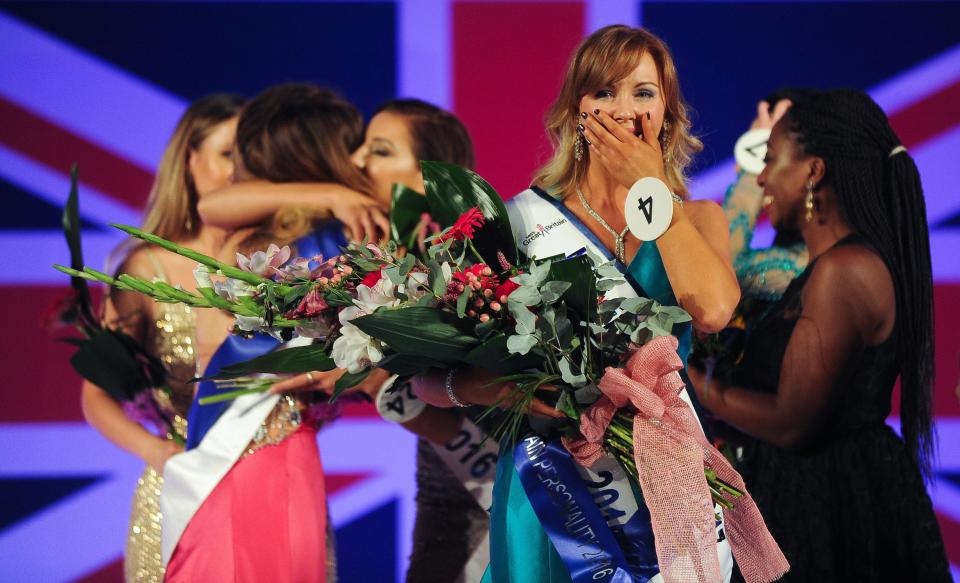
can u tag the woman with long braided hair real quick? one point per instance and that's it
(842, 494)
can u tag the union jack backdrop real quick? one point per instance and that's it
(103, 83)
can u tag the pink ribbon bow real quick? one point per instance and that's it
(671, 452)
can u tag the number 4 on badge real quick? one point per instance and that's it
(649, 209)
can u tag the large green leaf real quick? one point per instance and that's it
(298, 359)
(421, 331)
(452, 190)
(581, 297)
(406, 208)
(114, 362)
(71, 229)
(494, 356)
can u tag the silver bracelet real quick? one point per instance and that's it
(448, 384)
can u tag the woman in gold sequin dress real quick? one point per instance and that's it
(196, 161)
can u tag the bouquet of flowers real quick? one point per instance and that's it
(105, 356)
(468, 301)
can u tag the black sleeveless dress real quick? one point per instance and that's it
(852, 505)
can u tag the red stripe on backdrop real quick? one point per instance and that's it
(111, 573)
(946, 349)
(39, 384)
(508, 62)
(946, 303)
(951, 537)
(928, 117)
(35, 137)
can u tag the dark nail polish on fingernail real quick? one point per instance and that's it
(583, 114)
(596, 112)
(648, 116)
(580, 127)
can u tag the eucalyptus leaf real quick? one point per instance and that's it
(407, 264)
(569, 376)
(526, 322)
(605, 285)
(526, 296)
(393, 273)
(552, 291)
(567, 405)
(540, 271)
(521, 344)
(462, 302)
(609, 269)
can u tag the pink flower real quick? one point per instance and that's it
(465, 226)
(264, 263)
(311, 306)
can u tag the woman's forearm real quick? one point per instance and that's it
(107, 416)
(247, 203)
(702, 281)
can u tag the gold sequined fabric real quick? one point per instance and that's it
(174, 341)
(282, 421)
(142, 560)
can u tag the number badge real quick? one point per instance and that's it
(649, 209)
(750, 150)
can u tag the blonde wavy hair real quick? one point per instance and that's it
(171, 210)
(605, 57)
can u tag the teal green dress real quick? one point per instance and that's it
(520, 551)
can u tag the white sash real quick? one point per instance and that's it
(189, 477)
(542, 230)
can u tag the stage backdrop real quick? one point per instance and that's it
(102, 84)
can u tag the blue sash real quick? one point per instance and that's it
(325, 241)
(577, 521)
(233, 350)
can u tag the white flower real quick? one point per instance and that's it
(232, 289)
(354, 350)
(369, 299)
(250, 323)
(417, 285)
(202, 276)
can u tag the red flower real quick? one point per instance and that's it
(504, 290)
(312, 305)
(465, 226)
(372, 278)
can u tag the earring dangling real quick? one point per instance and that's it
(578, 148)
(664, 139)
(808, 203)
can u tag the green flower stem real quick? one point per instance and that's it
(231, 395)
(473, 250)
(221, 267)
(620, 440)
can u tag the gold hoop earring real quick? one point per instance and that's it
(808, 203)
